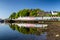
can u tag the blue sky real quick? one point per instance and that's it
(9, 6)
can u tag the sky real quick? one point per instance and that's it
(7, 7)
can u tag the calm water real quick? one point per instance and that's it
(23, 32)
(14, 32)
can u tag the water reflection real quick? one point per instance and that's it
(15, 32)
(51, 32)
(28, 30)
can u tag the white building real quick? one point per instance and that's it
(54, 12)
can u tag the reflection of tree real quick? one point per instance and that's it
(26, 30)
(12, 26)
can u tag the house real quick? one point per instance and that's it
(54, 12)
(40, 14)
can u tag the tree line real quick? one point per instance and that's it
(30, 12)
(25, 12)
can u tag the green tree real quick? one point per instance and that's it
(13, 15)
(25, 12)
(58, 14)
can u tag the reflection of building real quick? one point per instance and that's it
(29, 30)
(31, 25)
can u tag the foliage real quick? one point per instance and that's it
(12, 16)
(58, 14)
(25, 12)
(30, 12)
(26, 30)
